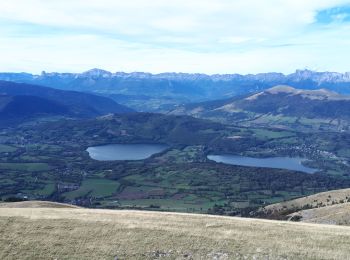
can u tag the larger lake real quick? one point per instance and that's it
(287, 163)
(115, 152)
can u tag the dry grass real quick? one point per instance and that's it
(64, 233)
(338, 214)
(325, 198)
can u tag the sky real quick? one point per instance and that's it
(194, 36)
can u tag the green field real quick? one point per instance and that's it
(95, 188)
(28, 167)
(344, 152)
(6, 148)
(47, 190)
(269, 134)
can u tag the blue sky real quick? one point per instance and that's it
(206, 36)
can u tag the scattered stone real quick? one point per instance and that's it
(218, 256)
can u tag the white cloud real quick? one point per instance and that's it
(221, 36)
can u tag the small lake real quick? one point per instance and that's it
(287, 163)
(116, 152)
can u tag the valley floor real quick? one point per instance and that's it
(77, 233)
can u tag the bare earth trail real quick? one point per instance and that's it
(77, 233)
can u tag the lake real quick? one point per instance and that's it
(116, 152)
(287, 163)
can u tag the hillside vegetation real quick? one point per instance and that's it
(18, 108)
(66, 233)
(24, 100)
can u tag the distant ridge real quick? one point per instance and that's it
(298, 75)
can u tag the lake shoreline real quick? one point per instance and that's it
(125, 152)
(286, 163)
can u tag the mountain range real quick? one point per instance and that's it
(157, 92)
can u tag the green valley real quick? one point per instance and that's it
(48, 160)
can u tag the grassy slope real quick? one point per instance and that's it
(338, 214)
(320, 199)
(331, 207)
(64, 233)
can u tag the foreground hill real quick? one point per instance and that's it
(280, 106)
(65, 233)
(38, 99)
